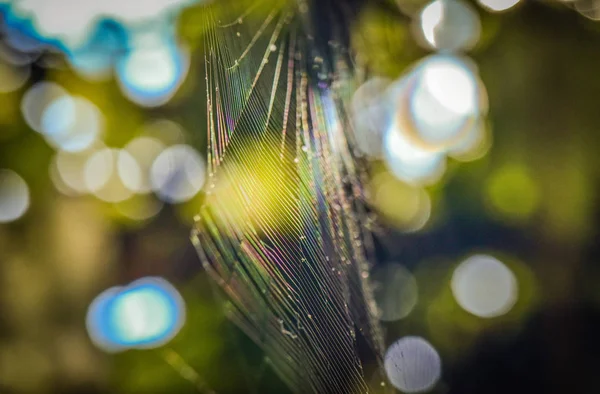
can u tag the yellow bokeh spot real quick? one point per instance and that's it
(255, 188)
(448, 324)
(405, 206)
(512, 193)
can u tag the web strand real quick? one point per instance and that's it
(281, 231)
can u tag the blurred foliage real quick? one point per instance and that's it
(533, 200)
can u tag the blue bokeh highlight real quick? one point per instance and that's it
(118, 321)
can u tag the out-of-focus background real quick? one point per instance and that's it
(487, 265)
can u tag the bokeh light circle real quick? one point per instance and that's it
(152, 71)
(146, 314)
(437, 109)
(448, 25)
(14, 196)
(445, 101)
(409, 162)
(99, 168)
(395, 290)
(36, 99)
(407, 207)
(413, 365)
(71, 123)
(111, 175)
(473, 145)
(498, 5)
(129, 171)
(98, 321)
(484, 286)
(512, 193)
(144, 150)
(178, 173)
(68, 170)
(370, 113)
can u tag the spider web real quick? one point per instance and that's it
(282, 230)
